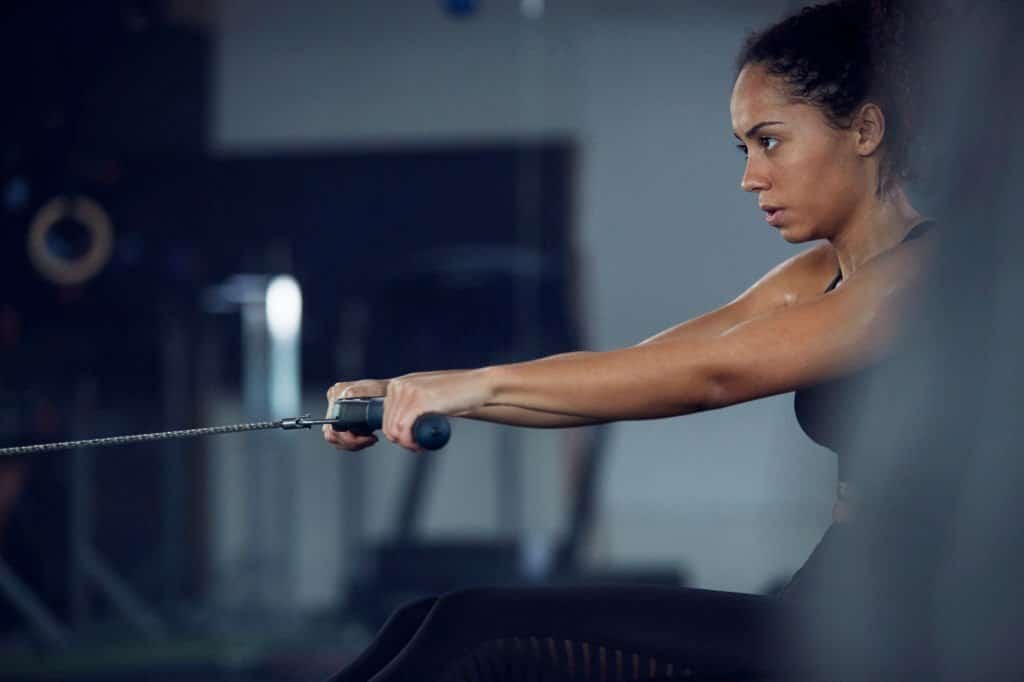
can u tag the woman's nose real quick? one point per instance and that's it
(754, 180)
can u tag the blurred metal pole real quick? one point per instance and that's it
(122, 596)
(266, 581)
(927, 585)
(40, 619)
(284, 388)
(978, 594)
(258, 553)
(510, 489)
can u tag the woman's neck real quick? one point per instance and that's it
(874, 229)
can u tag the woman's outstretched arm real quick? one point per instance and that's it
(707, 325)
(760, 297)
(778, 351)
(803, 274)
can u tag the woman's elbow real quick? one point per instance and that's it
(719, 389)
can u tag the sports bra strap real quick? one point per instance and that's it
(918, 230)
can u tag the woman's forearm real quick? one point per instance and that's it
(517, 416)
(641, 382)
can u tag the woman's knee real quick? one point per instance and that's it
(465, 603)
(413, 610)
(470, 597)
(417, 605)
(471, 605)
(408, 617)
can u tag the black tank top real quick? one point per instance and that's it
(820, 409)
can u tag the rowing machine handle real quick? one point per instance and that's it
(363, 416)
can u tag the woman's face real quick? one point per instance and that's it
(795, 161)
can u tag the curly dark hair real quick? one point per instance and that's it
(841, 55)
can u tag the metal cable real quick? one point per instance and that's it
(140, 438)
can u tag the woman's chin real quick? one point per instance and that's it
(789, 235)
(793, 236)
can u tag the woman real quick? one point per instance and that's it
(819, 107)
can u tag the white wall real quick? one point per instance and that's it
(738, 496)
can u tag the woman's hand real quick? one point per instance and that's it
(450, 393)
(367, 388)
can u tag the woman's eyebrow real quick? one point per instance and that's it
(753, 131)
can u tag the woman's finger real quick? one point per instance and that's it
(345, 440)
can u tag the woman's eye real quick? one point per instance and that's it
(768, 143)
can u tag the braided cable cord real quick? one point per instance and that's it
(138, 438)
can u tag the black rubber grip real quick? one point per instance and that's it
(363, 416)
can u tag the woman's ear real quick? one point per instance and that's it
(869, 128)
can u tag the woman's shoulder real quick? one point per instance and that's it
(796, 279)
(808, 274)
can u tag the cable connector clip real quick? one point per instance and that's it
(293, 423)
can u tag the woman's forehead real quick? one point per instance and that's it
(756, 96)
(756, 93)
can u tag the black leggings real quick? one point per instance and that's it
(574, 633)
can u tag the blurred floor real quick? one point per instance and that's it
(312, 654)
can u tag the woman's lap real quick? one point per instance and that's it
(590, 633)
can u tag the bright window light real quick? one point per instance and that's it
(284, 307)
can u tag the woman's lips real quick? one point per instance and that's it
(774, 217)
